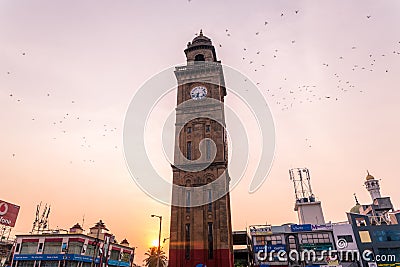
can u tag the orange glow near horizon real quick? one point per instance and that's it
(154, 243)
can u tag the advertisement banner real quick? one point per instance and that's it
(54, 257)
(8, 213)
(310, 227)
(322, 227)
(300, 227)
(270, 248)
(265, 230)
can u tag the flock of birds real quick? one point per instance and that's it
(65, 124)
(289, 97)
(340, 71)
(285, 98)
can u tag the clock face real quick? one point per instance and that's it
(198, 92)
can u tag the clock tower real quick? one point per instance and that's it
(201, 230)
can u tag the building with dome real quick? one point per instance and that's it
(381, 207)
(376, 227)
(73, 248)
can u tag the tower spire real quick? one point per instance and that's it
(355, 197)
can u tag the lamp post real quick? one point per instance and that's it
(159, 239)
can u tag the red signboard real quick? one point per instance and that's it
(8, 213)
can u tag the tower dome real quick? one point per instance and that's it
(201, 39)
(369, 177)
(200, 49)
(356, 208)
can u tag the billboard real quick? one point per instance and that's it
(8, 213)
(310, 227)
(300, 227)
(261, 230)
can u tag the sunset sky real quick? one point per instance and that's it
(69, 69)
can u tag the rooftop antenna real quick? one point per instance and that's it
(36, 221)
(302, 185)
(41, 222)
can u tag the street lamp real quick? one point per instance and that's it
(159, 239)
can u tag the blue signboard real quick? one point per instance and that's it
(54, 257)
(300, 227)
(270, 248)
(118, 263)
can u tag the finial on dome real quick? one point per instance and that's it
(201, 32)
(369, 176)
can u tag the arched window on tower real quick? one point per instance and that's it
(199, 57)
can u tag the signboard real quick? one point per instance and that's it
(270, 248)
(321, 227)
(8, 213)
(118, 263)
(300, 227)
(265, 230)
(54, 257)
(317, 247)
(310, 227)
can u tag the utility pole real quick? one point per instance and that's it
(159, 240)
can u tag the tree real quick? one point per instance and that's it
(152, 257)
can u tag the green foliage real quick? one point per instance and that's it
(152, 257)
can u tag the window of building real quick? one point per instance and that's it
(384, 236)
(114, 255)
(27, 263)
(71, 264)
(348, 238)
(64, 247)
(189, 150)
(199, 57)
(75, 247)
(259, 240)
(187, 241)
(90, 250)
(210, 241)
(188, 201)
(17, 247)
(364, 236)
(52, 248)
(208, 128)
(189, 130)
(29, 247)
(292, 242)
(360, 222)
(316, 238)
(209, 208)
(40, 248)
(126, 257)
(49, 264)
(274, 240)
(208, 149)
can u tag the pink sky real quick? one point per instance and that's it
(91, 57)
